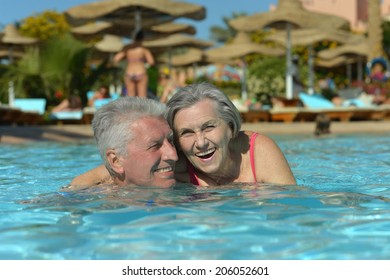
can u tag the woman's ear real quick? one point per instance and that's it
(114, 161)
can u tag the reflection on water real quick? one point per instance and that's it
(340, 210)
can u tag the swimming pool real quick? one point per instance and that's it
(340, 210)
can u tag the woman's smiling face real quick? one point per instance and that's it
(203, 136)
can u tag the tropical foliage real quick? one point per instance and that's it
(56, 70)
(44, 25)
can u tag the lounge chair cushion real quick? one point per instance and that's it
(315, 101)
(37, 105)
(67, 115)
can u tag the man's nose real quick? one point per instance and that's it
(170, 152)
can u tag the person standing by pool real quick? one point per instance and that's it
(215, 152)
(207, 131)
(137, 56)
(136, 144)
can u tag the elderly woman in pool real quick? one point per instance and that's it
(212, 148)
(207, 131)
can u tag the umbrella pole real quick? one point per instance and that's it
(137, 20)
(349, 74)
(310, 89)
(359, 70)
(289, 79)
(244, 93)
(11, 88)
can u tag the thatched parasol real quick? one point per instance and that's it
(110, 44)
(175, 41)
(310, 36)
(93, 29)
(356, 49)
(289, 14)
(335, 62)
(134, 15)
(241, 46)
(192, 57)
(10, 39)
(6, 54)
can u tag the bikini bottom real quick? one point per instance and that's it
(135, 77)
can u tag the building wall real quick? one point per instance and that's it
(355, 11)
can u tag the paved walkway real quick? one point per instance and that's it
(75, 133)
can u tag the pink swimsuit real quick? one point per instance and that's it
(194, 178)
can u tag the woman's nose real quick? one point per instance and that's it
(200, 140)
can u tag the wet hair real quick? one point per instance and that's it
(194, 93)
(112, 123)
(106, 91)
(139, 35)
(74, 102)
(322, 124)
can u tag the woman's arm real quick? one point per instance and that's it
(118, 57)
(93, 177)
(149, 57)
(271, 164)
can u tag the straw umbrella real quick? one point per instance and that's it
(91, 30)
(289, 14)
(11, 39)
(175, 41)
(241, 46)
(358, 51)
(311, 36)
(192, 57)
(134, 15)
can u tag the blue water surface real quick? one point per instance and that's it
(340, 208)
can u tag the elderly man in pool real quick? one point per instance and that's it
(136, 144)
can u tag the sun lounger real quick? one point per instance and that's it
(352, 109)
(67, 117)
(8, 115)
(32, 110)
(255, 116)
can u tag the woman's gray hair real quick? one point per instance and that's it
(192, 94)
(112, 123)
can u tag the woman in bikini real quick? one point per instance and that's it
(212, 149)
(137, 56)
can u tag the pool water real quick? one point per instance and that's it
(340, 208)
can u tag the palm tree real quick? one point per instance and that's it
(223, 34)
(61, 64)
(375, 32)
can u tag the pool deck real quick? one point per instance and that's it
(77, 133)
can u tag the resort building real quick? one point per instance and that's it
(355, 11)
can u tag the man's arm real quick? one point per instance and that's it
(93, 177)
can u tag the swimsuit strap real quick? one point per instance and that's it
(252, 153)
(191, 172)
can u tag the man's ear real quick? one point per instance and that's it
(114, 161)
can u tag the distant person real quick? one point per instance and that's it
(136, 77)
(102, 93)
(322, 125)
(72, 103)
(167, 87)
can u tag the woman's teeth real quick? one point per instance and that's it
(206, 154)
